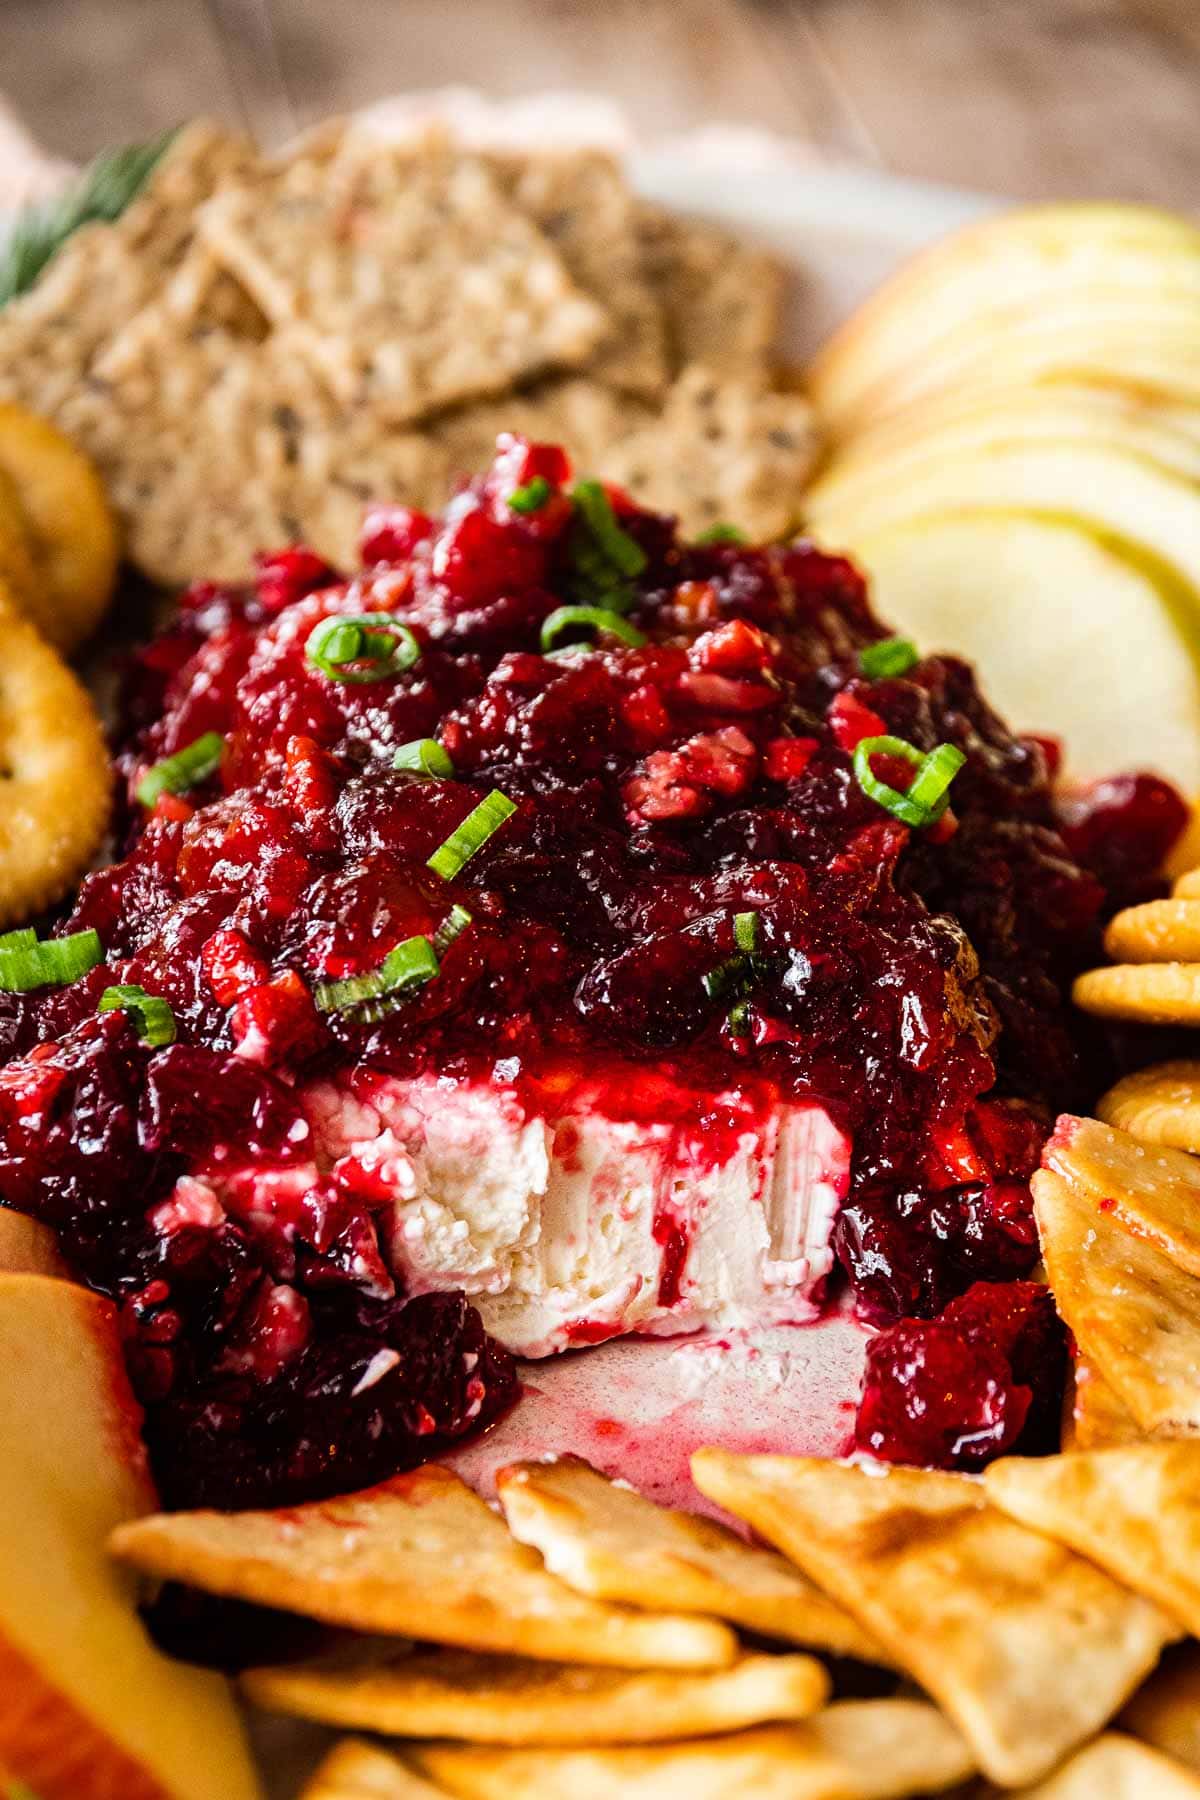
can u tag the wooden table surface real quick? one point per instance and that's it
(1031, 98)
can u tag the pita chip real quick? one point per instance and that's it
(1153, 1191)
(360, 1771)
(1117, 1768)
(1166, 1711)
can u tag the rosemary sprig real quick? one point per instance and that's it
(101, 194)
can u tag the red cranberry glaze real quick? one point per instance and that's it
(912, 981)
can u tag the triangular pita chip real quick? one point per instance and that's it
(607, 1540)
(1094, 1416)
(515, 1701)
(358, 1771)
(858, 1750)
(1117, 1768)
(1166, 1711)
(420, 1556)
(1152, 1191)
(1134, 1510)
(1134, 1313)
(1026, 1646)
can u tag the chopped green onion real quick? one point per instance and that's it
(595, 510)
(450, 858)
(151, 1014)
(186, 769)
(424, 756)
(600, 618)
(745, 931)
(26, 964)
(362, 647)
(409, 965)
(718, 981)
(451, 927)
(721, 533)
(531, 497)
(893, 656)
(928, 797)
(739, 1019)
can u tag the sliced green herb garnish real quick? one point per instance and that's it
(424, 756)
(892, 656)
(409, 965)
(598, 618)
(928, 797)
(361, 647)
(721, 533)
(451, 927)
(745, 931)
(151, 1014)
(186, 769)
(531, 497)
(739, 1019)
(449, 859)
(26, 964)
(605, 559)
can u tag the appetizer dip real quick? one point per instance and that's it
(557, 931)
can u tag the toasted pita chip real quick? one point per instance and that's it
(606, 1540)
(1094, 1415)
(1187, 885)
(721, 296)
(1160, 931)
(856, 1750)
(514, 1701)
(358, 1771)
(1154, 1193)
(1117, 1768)
(725, 450)
(1153, 993)
(1159, 1105)
(1166, 1711)
(421, 1556)
(1135, 1314)
(1134, 1510)
(1026, 1646)
(402, 275)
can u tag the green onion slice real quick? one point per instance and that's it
(151, 1014)
(893, 656)
(599, 618)
(361, 647)
(26, 964)
(595, 510)
(531, 497)
(721, 533)
(745, 931)
(739, 1019)
(929, 795)
(450, 858)
(451, 927)
(425, 756)
(409, 965)
(186, 769)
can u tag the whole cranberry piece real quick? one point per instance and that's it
(1121, 830)
(390, 534)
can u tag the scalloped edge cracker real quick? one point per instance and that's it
(1160, 1105)
(1134, 1314)
(1133, 1510)
(605, 1539)
(419, 1556)
(519, 1702)
(1159, 931)
(1153, 993)
(1152, 1191)
(1027, 1647)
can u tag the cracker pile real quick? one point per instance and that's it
(579, 1639)
(258, 347)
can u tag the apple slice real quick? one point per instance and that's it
(91, 1710)
(27, 1248)
(1075, 637)
(1051, 260)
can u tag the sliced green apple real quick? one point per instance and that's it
(1076, 633)
(91, 1710)
(1055, 261)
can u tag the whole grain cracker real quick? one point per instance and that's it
(515, 1701)
(403, 276)
(579, 413)
(1152, 993)
(1133, 1313)
(421, 1555)
(721, 297)
(723, 451)
(607, 1540)
(1160, 1105)
(1152, 1191)
(1028, 1648)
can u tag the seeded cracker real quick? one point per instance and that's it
(579, 413)
(1029, 1648)
(721, 297)
(402, 276)
(605, 1539)
(418, 1556)
(583, 205)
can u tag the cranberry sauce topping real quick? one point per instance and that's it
(694, 765)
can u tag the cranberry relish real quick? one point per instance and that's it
(911, 980)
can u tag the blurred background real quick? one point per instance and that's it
(1028, 98)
